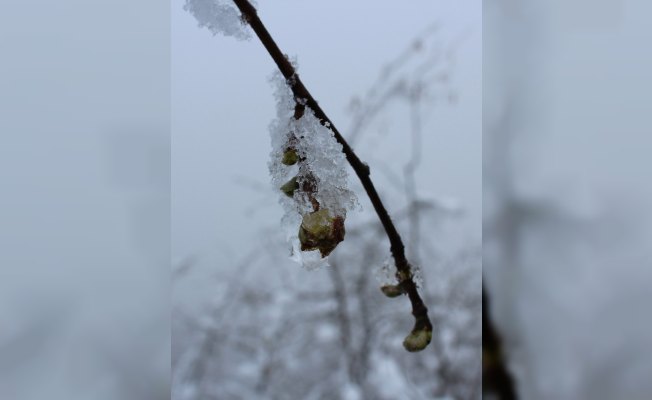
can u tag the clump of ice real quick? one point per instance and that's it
(219, 16)
(386, 273)
(322, 162)
(310, 260)
(417, 275)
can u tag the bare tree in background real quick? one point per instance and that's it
(331, 334)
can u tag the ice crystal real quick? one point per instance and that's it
(319, 170)
(219, 16)
(417, 275)
(386, 273)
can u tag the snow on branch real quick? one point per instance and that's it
(219, 16)
(308, 165)
(312, 142)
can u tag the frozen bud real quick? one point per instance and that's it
(392, 290)
(290, 186)
(404, 275)
(320, 231)
(418, 339)
(290, 157)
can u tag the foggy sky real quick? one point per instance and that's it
(222, 105)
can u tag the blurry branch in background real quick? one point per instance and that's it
(511, 216)
(183, 268)
(421, 333)
(346, 346)
(25, 345)
(248, 344)
(400, 79)
(498, 170)
(418, 76)
(496, 380)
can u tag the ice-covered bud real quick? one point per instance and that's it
(404, 275)
(290, 186)
(418, 339)
(320, 231)
(392, 290)
(290, 157)
(300, 140)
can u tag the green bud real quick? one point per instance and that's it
(417, 340)
(320, 231)
(404, 275)
(290, 186)
(392, 290)
(290, 157)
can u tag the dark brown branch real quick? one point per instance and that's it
(496, 379)
(302, 95)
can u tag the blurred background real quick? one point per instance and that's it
(140, 252)
(566, 230)
(403, 85)
(84, 200)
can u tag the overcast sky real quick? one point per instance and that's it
(222, 105)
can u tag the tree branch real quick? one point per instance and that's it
(496, 379)
(302, 95)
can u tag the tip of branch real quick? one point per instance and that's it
(417, 340)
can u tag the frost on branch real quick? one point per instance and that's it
(307, 165)
(219, 16)
(390, 279)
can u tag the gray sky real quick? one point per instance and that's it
(222, 105)
(84, 166)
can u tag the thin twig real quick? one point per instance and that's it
(303, 96)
